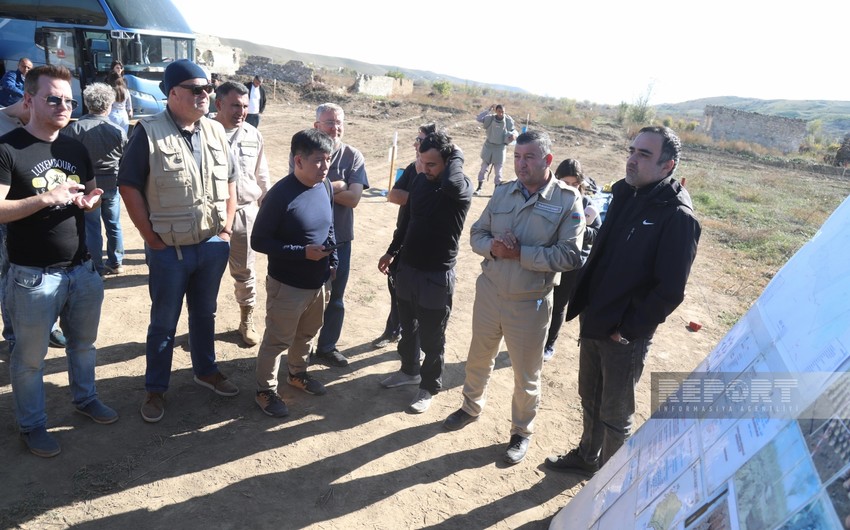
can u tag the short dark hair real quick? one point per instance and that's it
(536, 137)
(439, 141)
(229, 86)
(671, 146)
(428, 128)
(306, 142)
(48, 70)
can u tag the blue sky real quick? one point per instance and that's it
(604, 52)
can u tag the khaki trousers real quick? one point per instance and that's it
(524, 325)
(242, 256)
(293, 318)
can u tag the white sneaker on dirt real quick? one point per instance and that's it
(400, 379)
(421, 402)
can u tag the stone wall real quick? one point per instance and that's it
(292, 72)
(776, 132)
(380, 85)
(217, 58)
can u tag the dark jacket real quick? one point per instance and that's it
(640, 262)
(428, 232)
(249, 85)
(11, 87)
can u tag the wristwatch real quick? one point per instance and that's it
(623, 340)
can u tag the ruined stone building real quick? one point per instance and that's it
(775, 132)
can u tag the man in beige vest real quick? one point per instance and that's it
(178, 182)
(246, 142)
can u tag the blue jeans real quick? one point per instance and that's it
(35, 298)
(608, 373)
(335, 312)
(198, 277)
(110, 212)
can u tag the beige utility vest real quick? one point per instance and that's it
(187, 205)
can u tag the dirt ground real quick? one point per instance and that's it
(351, 458)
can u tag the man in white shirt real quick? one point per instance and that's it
(256, 100)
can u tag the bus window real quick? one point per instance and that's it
(60, 47)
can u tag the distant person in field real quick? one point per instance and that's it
(428, 236)
(247, 145)
(399, 194)
(633, 279)
(347, 175)
(256, 100)
(499, 132)
(569, 172)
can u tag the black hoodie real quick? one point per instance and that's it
(636, 273)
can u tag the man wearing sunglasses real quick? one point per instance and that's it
(46, 185)
(178, 182)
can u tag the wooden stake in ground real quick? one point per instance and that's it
(393, 151)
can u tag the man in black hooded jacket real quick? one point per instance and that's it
(634, 278)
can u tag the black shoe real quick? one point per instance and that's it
(458, 419)
(304, 381)
(332, 358)
(517, 448)
(385, 339)
(271, 404)
(572, 462)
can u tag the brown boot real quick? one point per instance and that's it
(246, 326)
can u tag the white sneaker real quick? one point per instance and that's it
(421, 402)
(400, 379)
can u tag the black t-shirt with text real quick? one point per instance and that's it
(53, 236)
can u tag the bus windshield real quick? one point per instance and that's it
(153, 16)
(152, 53)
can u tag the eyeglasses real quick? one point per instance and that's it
(418, 140)
(198, 89)
(55, 101)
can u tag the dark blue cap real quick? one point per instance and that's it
(179, 71)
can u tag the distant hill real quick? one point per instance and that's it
(835, 115)
(283, 55)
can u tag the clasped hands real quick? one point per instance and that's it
(505, 246)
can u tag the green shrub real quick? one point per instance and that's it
(443, 88)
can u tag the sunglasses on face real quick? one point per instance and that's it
(197, 90)
(55, 101)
